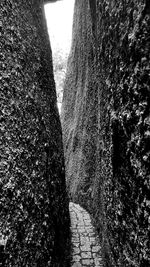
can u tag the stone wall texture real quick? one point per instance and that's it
(106, 124)
(34, 215)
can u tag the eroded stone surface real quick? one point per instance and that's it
(86, 250)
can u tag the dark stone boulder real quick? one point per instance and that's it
(106, 124)
(34, 215)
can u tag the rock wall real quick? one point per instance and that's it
(106, 124)
(34, 216)
(79, 119)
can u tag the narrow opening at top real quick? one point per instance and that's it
(59, 16)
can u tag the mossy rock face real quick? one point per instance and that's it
(106, 125)
(33, 201)
(79, 112)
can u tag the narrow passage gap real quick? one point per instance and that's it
(59, 17)
(85, 247)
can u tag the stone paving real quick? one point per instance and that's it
(86, 250)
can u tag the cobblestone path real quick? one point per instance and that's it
(86, 250)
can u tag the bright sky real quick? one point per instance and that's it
(59, 16)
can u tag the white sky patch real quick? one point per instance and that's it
(59, 16)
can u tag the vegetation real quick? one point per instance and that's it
(105, 117)
(34, 216)
(60, 64)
